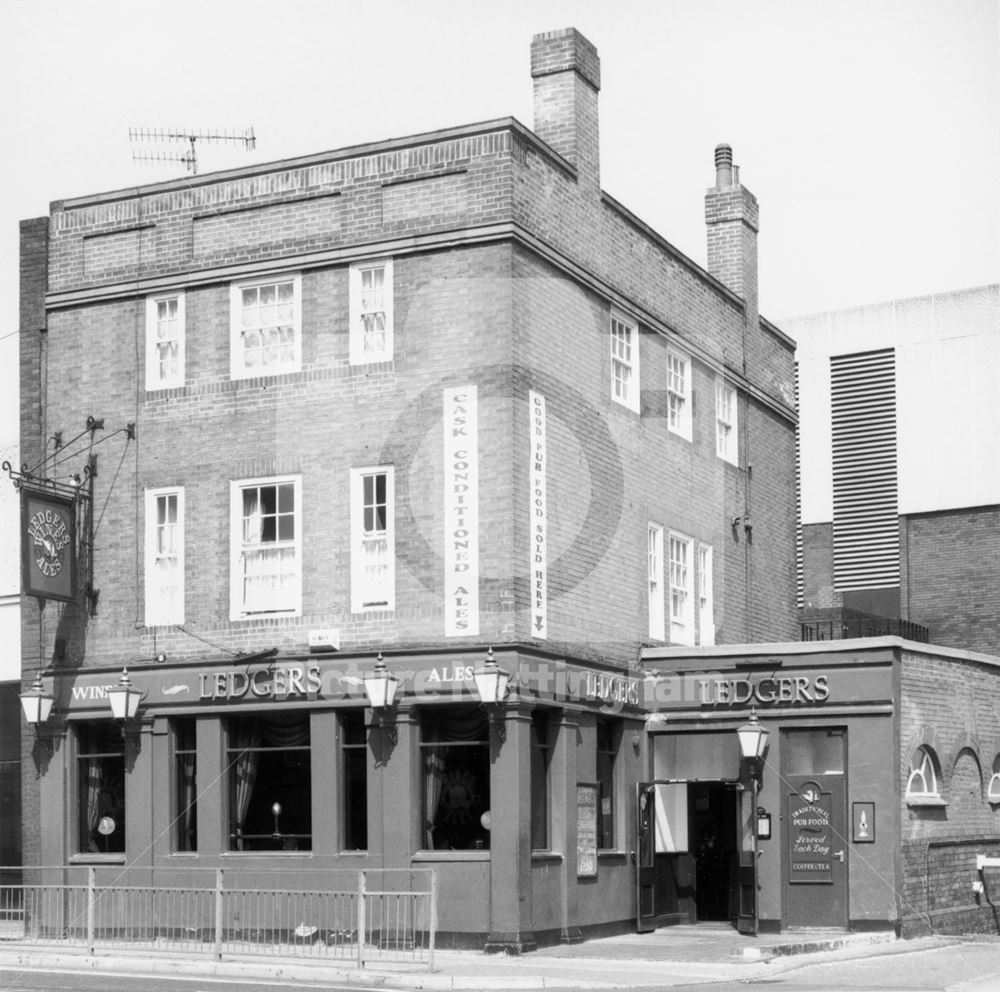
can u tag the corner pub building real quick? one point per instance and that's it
(429, 409)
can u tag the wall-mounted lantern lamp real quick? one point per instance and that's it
(37, 704)
(492, 684)
(124, 701)
(380, 688)
(753, 737)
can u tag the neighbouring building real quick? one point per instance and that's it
(428, 398)
(10, 678)
(900, 486)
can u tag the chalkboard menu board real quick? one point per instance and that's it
(586, 830)
(810, 837)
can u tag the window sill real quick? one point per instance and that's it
(612, 855)
(926, 801)
(546, 857)
(266, 854)
(483, 855)
(97, 859)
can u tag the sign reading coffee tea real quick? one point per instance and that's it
(48, 545)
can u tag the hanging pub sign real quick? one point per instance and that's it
(48, 545)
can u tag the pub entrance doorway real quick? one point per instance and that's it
(689, 843)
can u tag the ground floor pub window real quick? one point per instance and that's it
(355, 779)
(270, 791)
(455, 757)
(101, 788)
(608, 737)
(185, 784)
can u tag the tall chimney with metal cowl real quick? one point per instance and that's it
(733, 220)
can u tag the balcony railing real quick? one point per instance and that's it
(842, 628)
(361, 917)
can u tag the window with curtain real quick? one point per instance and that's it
(185, 784)
(355, 778)
(608, 734)
(541, 753)
(265, 542)
(265, 327)
(101, 788)
(371, 312)
(269, 781)
(455, 761)
(373, 553)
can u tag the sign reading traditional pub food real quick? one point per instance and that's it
(810, 836)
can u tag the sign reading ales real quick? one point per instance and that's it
(48, 545)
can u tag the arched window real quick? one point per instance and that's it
(993, 789)
(922, 782)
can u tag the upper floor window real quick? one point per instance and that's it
(265, 542)
(726, 437)
(266, 322)
(679, 393)
(165, 341)
(164, 556)
(624, 362)
(654, 567)
(373, 573)
(706, 608)
(681, 589)
(371, 312)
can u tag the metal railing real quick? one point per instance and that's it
(841, 629)
(359, 917)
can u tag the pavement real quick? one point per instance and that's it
(679, 955)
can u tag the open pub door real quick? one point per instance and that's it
(645, 857)
(746, 872)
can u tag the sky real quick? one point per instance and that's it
(869, 130)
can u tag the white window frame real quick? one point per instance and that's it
(363, 598)
(922, 782)
(679, 393)
(993, 788)
(155, 379)
(237, 605)
(623, 333)
(727, 443)
(158, 614)
(706, 598)
(360, 353)
(654, 571)
(237, 351)
(681, 585)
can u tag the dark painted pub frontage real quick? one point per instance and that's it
(584, 802)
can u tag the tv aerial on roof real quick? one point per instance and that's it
(189, 158)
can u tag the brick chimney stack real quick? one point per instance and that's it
(732, 216)
(567, 78)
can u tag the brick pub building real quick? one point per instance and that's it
(441, 400)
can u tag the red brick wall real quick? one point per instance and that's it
(493, 314)
(950, 573)
(949, 705)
